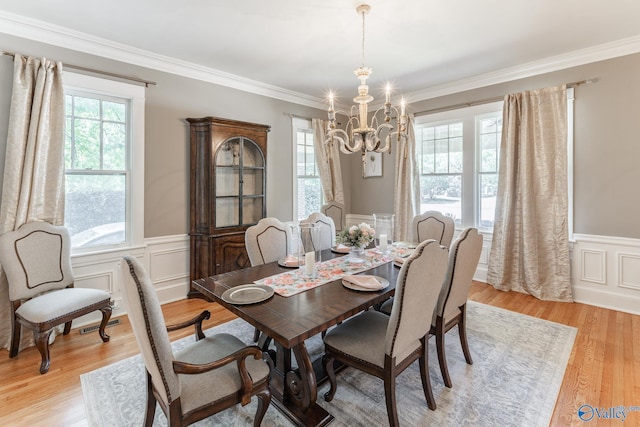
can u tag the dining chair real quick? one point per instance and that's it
(267, 241)
(428, 225)
(326, 239)
(384, 346)
(433, 225)
(207, 376)
(337, 213)
(37, 261)
(452, 301)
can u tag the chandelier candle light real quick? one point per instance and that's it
(358, 134)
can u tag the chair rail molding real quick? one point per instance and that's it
(605, 270)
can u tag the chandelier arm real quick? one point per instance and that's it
(387, 145)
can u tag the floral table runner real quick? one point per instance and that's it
(293, 282)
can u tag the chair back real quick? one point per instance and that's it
(267, 241)
(336, 212)
(143, 308)
(36, 258)
(463, 261)
(327, 236)
(433, 225)
(417, 289)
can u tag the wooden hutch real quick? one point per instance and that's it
(227, 192)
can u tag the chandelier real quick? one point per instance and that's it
(359, 134)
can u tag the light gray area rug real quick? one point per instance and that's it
(519, 364)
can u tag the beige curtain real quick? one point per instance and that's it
(328, 161)
(33, 186)
(406, 199)
(530, 248)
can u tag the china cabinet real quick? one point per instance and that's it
(227, 192)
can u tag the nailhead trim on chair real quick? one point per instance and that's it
(149, 335)
(455, 256)
(408, 262)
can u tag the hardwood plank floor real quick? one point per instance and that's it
(603, 370)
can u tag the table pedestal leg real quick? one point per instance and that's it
(295, 390)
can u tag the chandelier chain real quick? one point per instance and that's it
(363, 32)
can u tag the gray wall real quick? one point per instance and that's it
(607, 129)
(167, 134)
(606, 146)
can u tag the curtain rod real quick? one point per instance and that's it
(489, 100)
(146, 83)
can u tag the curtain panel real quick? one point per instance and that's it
(328, 162)
(530, 248)
(33, 183)
(406, 198)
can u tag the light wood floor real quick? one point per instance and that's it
(601, 372)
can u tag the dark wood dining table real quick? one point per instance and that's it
(289, 321)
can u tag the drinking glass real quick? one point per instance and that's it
(383, 224)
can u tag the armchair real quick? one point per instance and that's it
(210, 375)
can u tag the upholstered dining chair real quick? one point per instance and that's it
(452, 301)
(37, 261)
(267, 241)
(212, 374)
(327, 236)
(337, 213)
(433, 225)
(385, 346)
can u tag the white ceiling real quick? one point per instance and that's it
(308, 47)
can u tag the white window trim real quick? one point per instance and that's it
(487, 108)
(469, 179)
(136, 95)
(296, 124)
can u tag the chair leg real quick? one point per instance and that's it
(106, 315)
(442, 358)
(151, 403)
(462, 331)
(331, 374)
(264, 399)
(15, 338)
(67, 328)
(424, 376)
(42, 343)
(390, 397)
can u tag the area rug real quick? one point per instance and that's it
(519, 364)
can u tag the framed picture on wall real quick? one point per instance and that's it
(372, 165)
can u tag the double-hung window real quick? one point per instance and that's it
(457, 153)
(307, 186)
(104, 149)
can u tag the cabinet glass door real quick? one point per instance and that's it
(240, 183)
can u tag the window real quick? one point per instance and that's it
(104, 148)
(457, 154)
(307, 187)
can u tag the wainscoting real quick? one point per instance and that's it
(605, 271)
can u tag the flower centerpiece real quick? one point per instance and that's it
(357, 237)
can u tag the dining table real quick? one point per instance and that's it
(285, 322)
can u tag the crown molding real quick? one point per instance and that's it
(596, 53)
(32, 29)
